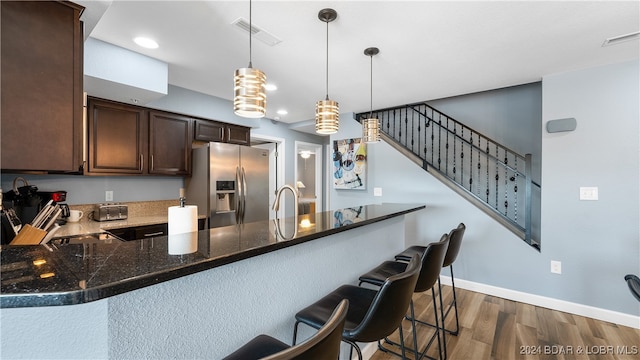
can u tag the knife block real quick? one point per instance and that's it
(29, 235)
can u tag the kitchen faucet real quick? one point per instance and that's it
(276, 203)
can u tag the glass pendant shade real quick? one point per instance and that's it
(250, 100)
(371, 130)
(327, 117)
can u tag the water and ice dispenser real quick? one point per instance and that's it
(225, 196)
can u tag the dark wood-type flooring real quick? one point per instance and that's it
(496, 328)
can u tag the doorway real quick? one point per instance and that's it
(308, 170)
(276, 148)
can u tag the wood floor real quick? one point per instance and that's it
(495, 328)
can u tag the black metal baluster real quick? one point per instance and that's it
(497, 176)
(515, 190)
(446, 150)
(506, 184)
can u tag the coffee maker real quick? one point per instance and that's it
(57, 197)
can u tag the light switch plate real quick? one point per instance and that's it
(588, 193)
(377, 191)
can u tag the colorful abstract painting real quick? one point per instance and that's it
(349, 164)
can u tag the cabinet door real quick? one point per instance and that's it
(207, 130)
(117, 138)
(169, 144)
(238, 135)
(41, 86)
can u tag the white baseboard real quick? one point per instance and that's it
(550, 303)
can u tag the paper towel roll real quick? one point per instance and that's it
(183, 220)
(185, 243)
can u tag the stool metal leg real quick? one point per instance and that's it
(455, 304)
(413, 320)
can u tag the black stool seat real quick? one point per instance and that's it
(373, 314)
(408, 253)
(378, 275)
(360, 300)
(324, 344)
(259, 347)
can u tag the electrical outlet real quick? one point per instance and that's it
(556, 267)
(377, 191)
(108, 195)
(588, 193)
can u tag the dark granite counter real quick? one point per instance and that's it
(68, 274)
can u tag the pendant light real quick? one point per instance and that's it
(250, 100)
(327, 111)
(371, 125)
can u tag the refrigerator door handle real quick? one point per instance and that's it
(238, 210)
(244, 193)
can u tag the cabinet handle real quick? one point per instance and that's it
(141, 162)
(151, 164)
(228, 134)
(154, 234)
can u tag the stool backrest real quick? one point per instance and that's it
(634, 285)
(324, 344)
(389, 306)
(432, 260)
(455, 241)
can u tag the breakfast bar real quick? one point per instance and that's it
(141, 299)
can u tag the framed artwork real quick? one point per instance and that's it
(349, 164)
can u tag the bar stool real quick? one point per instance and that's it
(634, 285)
(372, 314)
(432, 259)
(455, 242)
(324, 344)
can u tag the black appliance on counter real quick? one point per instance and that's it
(20, 205)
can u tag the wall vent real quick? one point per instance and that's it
(257, 32)
(621, 38)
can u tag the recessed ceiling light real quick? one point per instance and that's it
(146, 42)
(270, 87)
(282, 112)
(621, 38)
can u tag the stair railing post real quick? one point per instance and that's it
(527, 198)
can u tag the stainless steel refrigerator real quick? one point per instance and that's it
(229, 184)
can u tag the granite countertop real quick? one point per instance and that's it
(67, 274)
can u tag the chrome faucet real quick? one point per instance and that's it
(276, 203)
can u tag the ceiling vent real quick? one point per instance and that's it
(257, 32)
(621, 38)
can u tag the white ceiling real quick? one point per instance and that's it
(428, 49)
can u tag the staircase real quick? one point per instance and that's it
(494, 178)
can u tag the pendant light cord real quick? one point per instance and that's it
(371, 90)
(250, 33)
(327, 77)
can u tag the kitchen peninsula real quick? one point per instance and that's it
(135, 300)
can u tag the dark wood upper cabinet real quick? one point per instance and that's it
(128, 140)
(238, 135)
(208, 130)
(169, 143)
(118, 136)
(41, 86)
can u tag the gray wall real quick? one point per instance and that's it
(596, 241)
